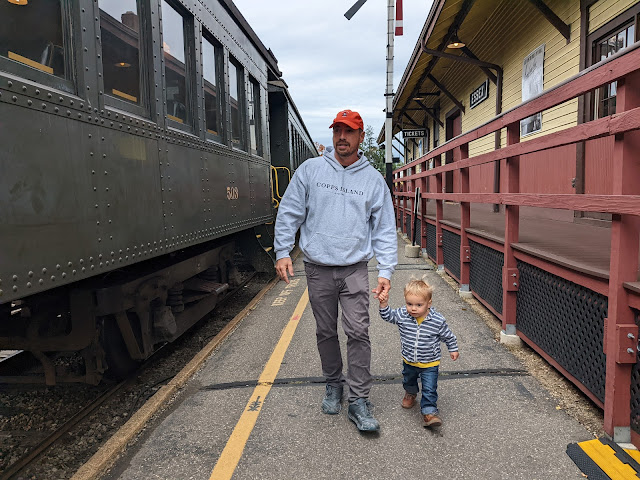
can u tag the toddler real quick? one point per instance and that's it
(422, 329)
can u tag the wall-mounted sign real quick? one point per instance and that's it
(480, 94)
(532, 85)
(414, 133)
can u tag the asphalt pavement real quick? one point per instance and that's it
(253, 410)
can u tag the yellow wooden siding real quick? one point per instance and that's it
(561, 62)
(604, 11)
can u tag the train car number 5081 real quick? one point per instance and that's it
(232, 193)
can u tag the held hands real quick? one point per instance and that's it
(454, 355)
(381, 292)
(284, 266)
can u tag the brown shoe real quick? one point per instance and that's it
(409, 400)
(431, 420)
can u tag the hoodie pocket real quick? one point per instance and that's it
(328, 249)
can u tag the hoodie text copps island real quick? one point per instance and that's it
(345, 215)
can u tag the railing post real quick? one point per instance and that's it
(405, 202)
(439, 215)
(400, 188)
(510, 277)
(621, 356)
(423, 209)
(394, 198)
(412, 189)
(465, 222)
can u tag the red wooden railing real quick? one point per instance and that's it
(623, 203)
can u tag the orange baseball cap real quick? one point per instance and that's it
(353, 119)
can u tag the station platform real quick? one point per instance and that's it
(253, 410)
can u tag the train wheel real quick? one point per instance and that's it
(119, 363)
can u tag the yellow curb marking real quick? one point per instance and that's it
(232, 452)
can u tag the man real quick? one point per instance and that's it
(342, 206)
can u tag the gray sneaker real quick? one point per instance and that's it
(331, 402)
(360, 414)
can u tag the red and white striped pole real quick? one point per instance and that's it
(398, 18)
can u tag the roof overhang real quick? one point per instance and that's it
(434, 71)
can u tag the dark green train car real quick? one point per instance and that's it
(135, 161)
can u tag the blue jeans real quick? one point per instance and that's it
(429, 379)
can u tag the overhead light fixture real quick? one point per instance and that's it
(19, 2)
(123, 65)
(455, 42)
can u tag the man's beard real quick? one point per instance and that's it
(350, 151)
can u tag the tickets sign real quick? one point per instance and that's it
(414, 133)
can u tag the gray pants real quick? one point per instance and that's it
(350, 286)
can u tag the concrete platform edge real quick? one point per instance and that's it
(106, 456)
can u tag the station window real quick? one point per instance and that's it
(620, 36)
(175, 46)
(212, 62)
(121, 52)
(255, 114)
(35, 41)
(236, 99)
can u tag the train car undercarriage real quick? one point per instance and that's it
(116, 321)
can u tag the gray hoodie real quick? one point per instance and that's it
(345, 215)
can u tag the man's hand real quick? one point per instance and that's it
(384, 285)
(284, 266)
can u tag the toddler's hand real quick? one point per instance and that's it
(454, 355)
(383, 298)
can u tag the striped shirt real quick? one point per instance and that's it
(421, 343)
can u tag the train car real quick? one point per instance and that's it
(291, 143)
(135, 164)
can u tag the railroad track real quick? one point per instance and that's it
(24, 461)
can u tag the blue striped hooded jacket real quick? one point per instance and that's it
(421, 343)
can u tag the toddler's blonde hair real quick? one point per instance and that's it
(419, 288)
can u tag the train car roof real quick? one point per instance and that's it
(272, 62)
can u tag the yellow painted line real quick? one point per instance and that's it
(104, 458)
(635, 454)
(604, 457)
(232, 452)
(31, 63)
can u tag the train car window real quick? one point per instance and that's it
(212, 63)
(174, 46)
(121, 59)
(35, 41)
(236, 94)
(255, 114)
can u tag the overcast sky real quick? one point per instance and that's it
(331, 63)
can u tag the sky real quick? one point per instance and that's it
(331, 63)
